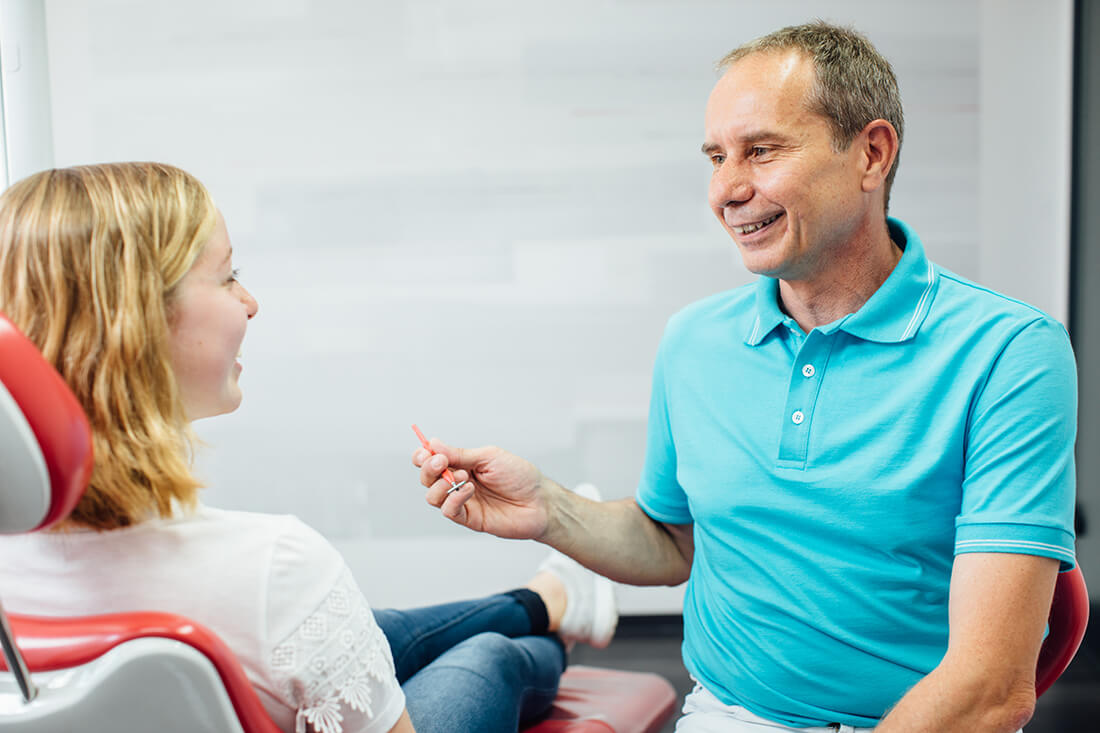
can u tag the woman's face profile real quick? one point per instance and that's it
(207, 321)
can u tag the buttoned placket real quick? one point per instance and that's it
(804, 386)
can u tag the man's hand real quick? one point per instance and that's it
(504, 494)
(509, 497)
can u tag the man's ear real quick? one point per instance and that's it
(878, 143)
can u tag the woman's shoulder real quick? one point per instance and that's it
(280, 532)
(296, 566)
(300, 568)
(205, 516)
(294, 569)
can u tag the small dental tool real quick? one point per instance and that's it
(455, 485)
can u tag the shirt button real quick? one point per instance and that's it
(797, 417)
(808, 370)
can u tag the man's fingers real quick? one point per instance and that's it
(431, 469)
(467, 458)
(419, 456)
(454, 504)
(437, 493)
(441, 489)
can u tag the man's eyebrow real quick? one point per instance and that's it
(750, 138)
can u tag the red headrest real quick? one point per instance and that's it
(45, 439)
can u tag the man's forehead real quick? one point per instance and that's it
(759, 86)
(781, 60)
(767, 71)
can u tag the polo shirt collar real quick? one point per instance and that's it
(892, 315)
(768, 314)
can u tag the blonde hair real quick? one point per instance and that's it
(89, 260)
(854, 83)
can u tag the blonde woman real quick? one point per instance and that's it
(123, 275)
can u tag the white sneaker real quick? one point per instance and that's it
(591, 613)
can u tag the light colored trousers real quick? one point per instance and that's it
(704, 713)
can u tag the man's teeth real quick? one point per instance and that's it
(750, 228)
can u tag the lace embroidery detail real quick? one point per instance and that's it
(332, 658)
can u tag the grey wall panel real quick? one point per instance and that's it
(474, 215)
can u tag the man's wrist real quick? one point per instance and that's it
(554, 498)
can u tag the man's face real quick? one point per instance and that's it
(785, 196)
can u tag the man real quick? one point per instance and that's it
(861, 463)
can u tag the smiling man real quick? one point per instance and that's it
(861, 463)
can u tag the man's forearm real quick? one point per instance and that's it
(986, 680)
(617, 539)
(945, 701)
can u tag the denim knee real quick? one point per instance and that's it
(487, 683)
(488, 654)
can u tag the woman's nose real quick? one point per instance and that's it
(251, 305)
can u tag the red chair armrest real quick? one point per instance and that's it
(1069, 616)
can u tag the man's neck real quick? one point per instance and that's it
(843, 285)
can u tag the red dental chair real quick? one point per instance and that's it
(157, 671)
(1069, 617)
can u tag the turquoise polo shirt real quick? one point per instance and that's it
(833, 475)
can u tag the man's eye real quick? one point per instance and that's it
(757, 151)
(717, 160)
(234, 276)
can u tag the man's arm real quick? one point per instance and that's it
(509, 497)
(620, 541)
(985, 683)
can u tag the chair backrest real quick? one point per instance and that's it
(128, 671)
(45, 440)
(131, 659)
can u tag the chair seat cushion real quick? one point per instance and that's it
(593, 700)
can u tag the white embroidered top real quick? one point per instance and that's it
(273, 589)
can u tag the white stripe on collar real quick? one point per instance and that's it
(920, 304)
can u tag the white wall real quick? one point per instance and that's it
(26, 137)
(1026, 101)
(474, 215)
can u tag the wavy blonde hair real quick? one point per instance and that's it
(90, 258)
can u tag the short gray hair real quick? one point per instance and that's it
(854, 83)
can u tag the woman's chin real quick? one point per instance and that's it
(227, 404)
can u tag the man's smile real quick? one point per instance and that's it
(755, 226)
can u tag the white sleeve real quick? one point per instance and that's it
(328, 660)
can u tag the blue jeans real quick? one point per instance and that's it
(473, 665)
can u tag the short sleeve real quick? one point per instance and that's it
(1019, 483)
(659, 493)
(328, 659)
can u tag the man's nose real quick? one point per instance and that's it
(729, 186)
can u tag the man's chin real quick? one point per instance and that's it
(759, 264)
